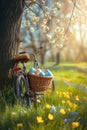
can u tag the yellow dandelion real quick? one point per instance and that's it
(77, 97)
(50, 116)
(60, 94)
(67, 96)
(64, 93)
(39, 119)
(57, 92)
(85, 98)
(63, 102)
(74, 105)
(19, 125)
(69, 103)
(62, 111)
(68, 109)
(48, 91)
(47, 106)
(75, 124)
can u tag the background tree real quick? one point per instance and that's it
(41, 23)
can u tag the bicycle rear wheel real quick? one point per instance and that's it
(21, 86)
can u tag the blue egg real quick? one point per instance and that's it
(48, 73)
(32, 70)
(42, 74)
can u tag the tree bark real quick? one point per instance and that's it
(10, 20)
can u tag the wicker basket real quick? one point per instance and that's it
(40, 83)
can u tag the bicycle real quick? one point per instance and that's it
(22, 82)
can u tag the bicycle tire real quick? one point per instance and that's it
(20, 90)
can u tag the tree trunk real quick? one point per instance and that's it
(10, 20)
(42, 58)
(57, 58)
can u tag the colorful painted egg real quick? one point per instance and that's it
(48, 73)
(32, 70)
(37, 71)
(42, 73)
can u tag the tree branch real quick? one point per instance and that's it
(74, 5)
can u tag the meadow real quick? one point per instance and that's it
(63, 109)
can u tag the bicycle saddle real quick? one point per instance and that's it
(22, 57)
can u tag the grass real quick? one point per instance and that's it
(64, 109)
(73, 76)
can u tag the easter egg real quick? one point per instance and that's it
(37, 71)
(46, 70)
(42, 73)
(48, 73)
(32, 70)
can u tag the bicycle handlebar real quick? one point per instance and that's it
(35, 61)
